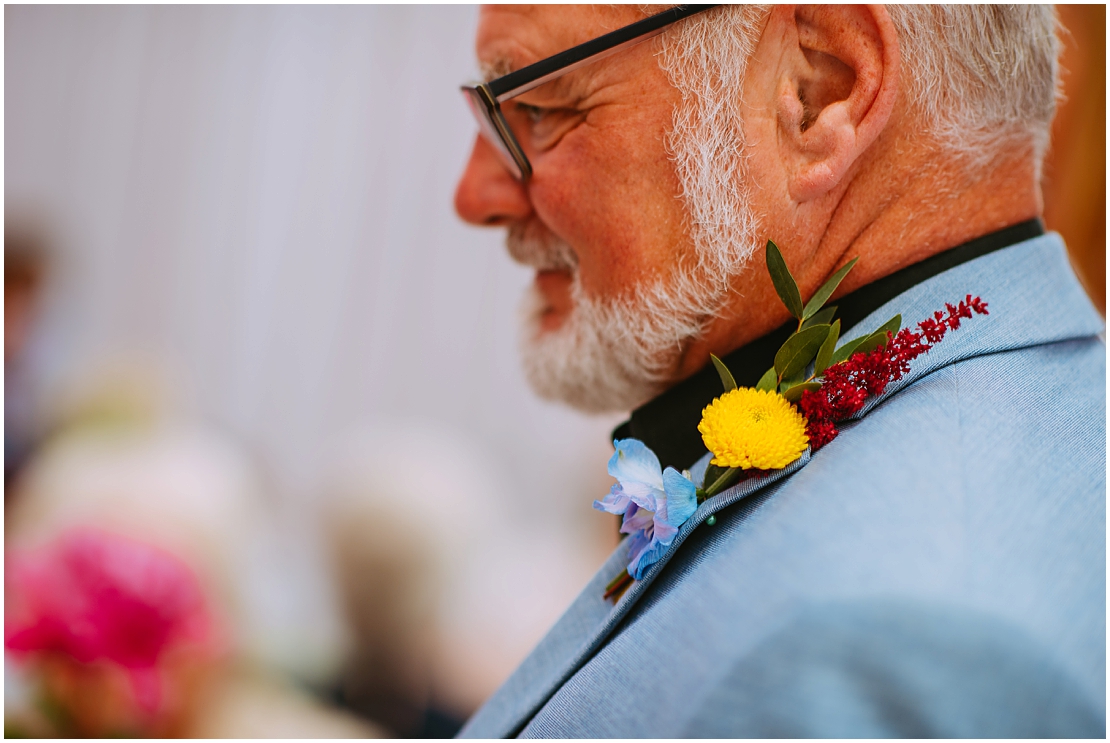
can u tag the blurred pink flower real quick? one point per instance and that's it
(97, 596)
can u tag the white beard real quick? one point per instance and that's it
(615, 355)
(610, 356)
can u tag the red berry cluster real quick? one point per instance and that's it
(847, 385)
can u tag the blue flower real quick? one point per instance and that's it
(654, 502)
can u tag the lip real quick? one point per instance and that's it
(554, 286)
(553, 282)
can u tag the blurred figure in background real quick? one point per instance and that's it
(392, 568)
(429, 566)
(24, 268)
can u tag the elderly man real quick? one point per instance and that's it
(939, 568)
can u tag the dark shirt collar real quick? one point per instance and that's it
(668, 424)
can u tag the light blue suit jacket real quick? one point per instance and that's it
(937, 570)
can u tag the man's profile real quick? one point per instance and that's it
(938, 569)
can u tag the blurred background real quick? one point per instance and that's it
(263, 408)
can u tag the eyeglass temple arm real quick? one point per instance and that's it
(534, 75)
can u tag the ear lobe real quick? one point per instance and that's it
(839, 93)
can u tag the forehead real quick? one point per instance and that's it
(513, 36)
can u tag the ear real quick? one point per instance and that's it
(840, 70)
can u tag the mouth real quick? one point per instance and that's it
(554, 285)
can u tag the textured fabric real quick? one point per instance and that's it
(938, 569)
(979, 675)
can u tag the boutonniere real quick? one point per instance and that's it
(813, 386)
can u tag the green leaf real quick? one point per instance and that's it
(726, 376)
(868, 343)
(783, 281)
(799, 350)
(824, 354)
(795, 393)
(871, 342)
(768, 381)
(817, 301)
(893, 325)
(795, 379)
(824, 317)
(879, 338)
(846, 350)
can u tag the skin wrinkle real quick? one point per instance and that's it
(682, 166)
(613, 265)
(589, 123)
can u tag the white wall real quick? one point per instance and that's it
(260, 198)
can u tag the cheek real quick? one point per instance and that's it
(611, 192)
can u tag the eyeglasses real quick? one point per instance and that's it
(485, 99)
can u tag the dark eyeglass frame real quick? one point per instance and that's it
(485, 99)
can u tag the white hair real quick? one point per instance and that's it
(705, 59)
(982, 78)
(979, 79)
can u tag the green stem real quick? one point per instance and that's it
(721, 482)
(618, 585)
(620, 577)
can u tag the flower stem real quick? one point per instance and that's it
(721, 482)
(617, 586)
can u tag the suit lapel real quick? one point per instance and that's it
(587, 623)
(1019, 318)
(1033, 298)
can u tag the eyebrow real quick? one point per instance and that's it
(502, 65)
(499, 66)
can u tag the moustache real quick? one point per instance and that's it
(530, 244)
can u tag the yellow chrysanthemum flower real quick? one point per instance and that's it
(749, 428)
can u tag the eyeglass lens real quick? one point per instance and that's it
(491, 132)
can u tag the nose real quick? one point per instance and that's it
(487, 194)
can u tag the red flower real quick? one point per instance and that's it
(847, 385)
(820, 432)
(96, 596)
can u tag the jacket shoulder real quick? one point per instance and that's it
(888, 668)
